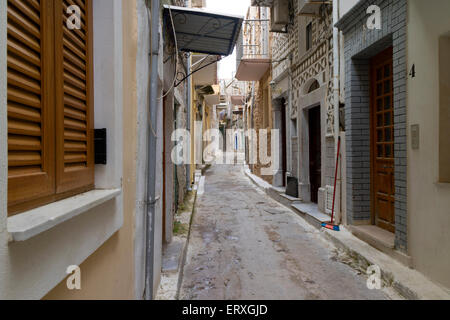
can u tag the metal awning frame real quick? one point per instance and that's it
(237, 21)
(234, 19)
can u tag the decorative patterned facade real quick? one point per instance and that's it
(304, 68)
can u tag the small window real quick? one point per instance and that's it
(444, 109)
(309, 36)
(314, 86)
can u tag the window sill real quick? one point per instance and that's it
(443, 184)
(29, 224)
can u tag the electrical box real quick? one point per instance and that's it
(100, 146)
(415, 137)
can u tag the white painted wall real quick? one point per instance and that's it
(428, 200)
(3, 147)
(157, 262)
(30, 269)
(345, 6)
(142, 74)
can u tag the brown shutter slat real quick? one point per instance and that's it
(21, 158)
(25, 8)
(20, 65)
(17, 143)
(74, 107)
(17, 111)
(18, 17)
(21, 96)
(22, 51)
(31, 173)
(74, 113)
(24, 128)
(25, 83)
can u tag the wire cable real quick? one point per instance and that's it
(176, 56)
(150, 66)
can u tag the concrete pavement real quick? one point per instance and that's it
(244, 245)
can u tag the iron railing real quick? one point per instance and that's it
(253, 42)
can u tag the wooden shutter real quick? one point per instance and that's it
(31, 146)
(74, 107)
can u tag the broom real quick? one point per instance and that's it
(330, 225)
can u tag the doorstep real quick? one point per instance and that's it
(311, 212)
(380, 239)
(278, 194)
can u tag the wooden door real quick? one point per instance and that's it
(382, 141)
(315, 154)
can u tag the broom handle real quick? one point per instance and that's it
(335, 178)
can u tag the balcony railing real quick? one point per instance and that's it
(253, 41)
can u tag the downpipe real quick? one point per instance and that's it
(188, 122)
(151, 151)
(336, 93)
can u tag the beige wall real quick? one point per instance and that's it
(109, 272)
(428, 200)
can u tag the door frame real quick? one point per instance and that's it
(383, 55)
(318, 108)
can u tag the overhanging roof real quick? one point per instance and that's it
(199, 30)
(252, 69)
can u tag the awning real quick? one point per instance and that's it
(202, 31)
(252, 69)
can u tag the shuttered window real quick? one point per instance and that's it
(50, 112)
(74, 138)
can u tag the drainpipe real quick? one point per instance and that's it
(288, 117)
(336, 83)
(152, 141)
(188, 123)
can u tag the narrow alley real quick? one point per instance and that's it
(178, 150)
(244, 245)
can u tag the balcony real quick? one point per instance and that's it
(252, 50)
(311, 7)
